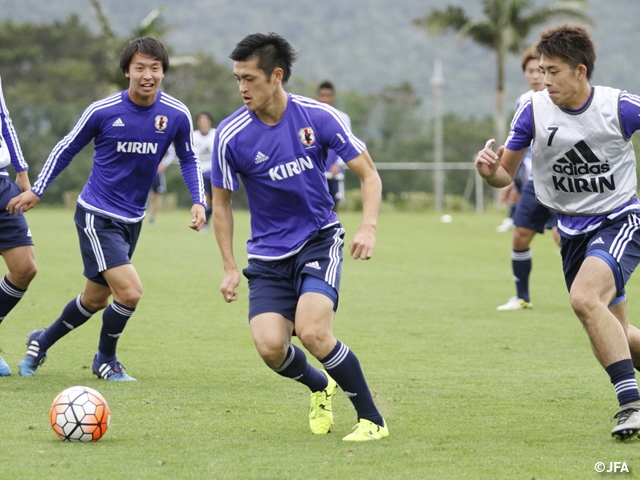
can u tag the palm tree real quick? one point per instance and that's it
(153, 24)
(504, 29)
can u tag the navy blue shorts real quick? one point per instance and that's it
(532, 214)
(521, 177)
(159, 184)
(616, 242)
(206, 180)
(14, 231)
(275, 286)
(104, 243)
(336, 189)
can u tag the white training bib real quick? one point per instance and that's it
(582, 163)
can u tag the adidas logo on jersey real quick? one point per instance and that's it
(261, 157)
(598, 241)
(573, 164)
(579, 162)
(315, 265)
(118, 123)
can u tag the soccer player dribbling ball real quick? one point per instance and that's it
(277, 143)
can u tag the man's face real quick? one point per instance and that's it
(204, 124)
(533, 75)
(326, 95)
(256, 89)
(145, 77)
(563, 83)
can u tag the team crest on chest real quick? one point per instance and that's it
(161, 122)
(307, 136)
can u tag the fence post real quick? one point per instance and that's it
(437, 81)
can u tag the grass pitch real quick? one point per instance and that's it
(467, 392)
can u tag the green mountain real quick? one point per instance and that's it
(362, 45)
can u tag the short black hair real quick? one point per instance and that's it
(326, 84)
(272, 51)
(572, 43)
(148, 46)
(205, 114)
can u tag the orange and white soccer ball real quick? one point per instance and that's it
(79, 414)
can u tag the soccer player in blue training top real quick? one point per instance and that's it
(16, 243)
(530, 217)
(131, 131)
(584, 167)
(277, 143)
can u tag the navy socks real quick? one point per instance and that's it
(73, 315)
(297, 367)
(10, 295)
(623, 378)
(114, 319)
(344, 368)
(521, 263)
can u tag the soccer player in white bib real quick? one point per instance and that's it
(159, 185)
(16, 242)
(278, 143)
(334, 170)
(530, 217)
(203, 137)
(584, 167)
(131, 131)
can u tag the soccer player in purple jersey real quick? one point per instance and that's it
(584, 167)
(132, 131)
(278, 143)
(16, 243)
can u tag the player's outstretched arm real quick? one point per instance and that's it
(223, 228)
(198, 217)
(23, 202)
(364, 241)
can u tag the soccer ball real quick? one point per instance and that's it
(79, 414)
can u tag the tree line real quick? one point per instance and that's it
(52, 72)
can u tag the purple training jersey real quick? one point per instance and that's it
(282, 168)
(10, 152)
(130, 141)
(521, 136)
(332, 157)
